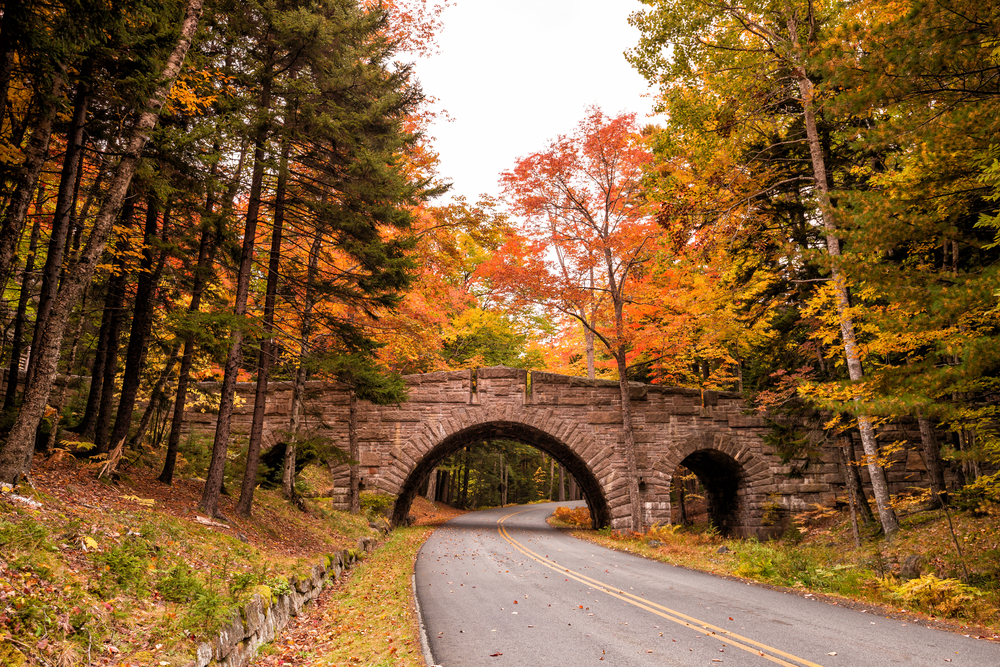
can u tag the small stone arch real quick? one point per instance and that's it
(569, 444)
(732, 477)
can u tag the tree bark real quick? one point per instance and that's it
(142, 319)
(465, 481)
(114, 307)
(298, 389)
(562, 486)
(853, 494)
(264, 358)
(432, 485)
(107, 339)
(16, 347)
(206, 255)
(35, 155)
(854, 483)
(628, 446)
(206, 251)
(213, 483)
(15, 456)
(354, 453)
(880, 486)
(61, 227)
(932, 459)
(155, 396)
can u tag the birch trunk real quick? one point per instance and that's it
(880, 486)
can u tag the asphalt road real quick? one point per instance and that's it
(500, 587)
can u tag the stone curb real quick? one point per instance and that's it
(261, 620)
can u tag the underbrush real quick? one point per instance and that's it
(918, 570)
(572, 518)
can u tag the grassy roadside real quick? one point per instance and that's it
(818, 556)
(368, 619)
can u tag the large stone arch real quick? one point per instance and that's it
(571, 444)
(732, 475)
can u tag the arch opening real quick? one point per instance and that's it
(723, 481)
(589, 485)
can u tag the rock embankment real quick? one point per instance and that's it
(267, 614)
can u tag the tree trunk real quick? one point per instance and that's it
(206, 252)
(15, 457)
(588, 337)
(855, 483)
(61, 221)
(206, 255)
(16, 212)
(216, 470)
(628, 446)
(114, 306)
(852, 495)
(298, 389)
(432, 484)
(562, 486)
(932, 459)
(155, 396)
(264, 358)
(465, 481)
(16, 347)
(142, 320)
(880, 486)
(353, 452)
(60, 402)
(504, 481)
(552, 478)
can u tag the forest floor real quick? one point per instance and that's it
(95, 572)
(917, 574)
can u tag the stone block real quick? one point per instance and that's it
(806, 487)
(915, 462)
(401, 416)
(745, 421)
(254, 615)
(371, 459)
(604, 417)
(230, 634)
(238, 657)
(203, 655)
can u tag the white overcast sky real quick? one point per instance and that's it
(513, 74)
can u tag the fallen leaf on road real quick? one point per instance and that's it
(493, 655)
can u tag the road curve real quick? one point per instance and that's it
(500, 587)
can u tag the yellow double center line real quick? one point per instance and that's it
(712, 631)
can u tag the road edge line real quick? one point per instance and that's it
(425, 646)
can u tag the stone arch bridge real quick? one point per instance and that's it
(575, 420)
